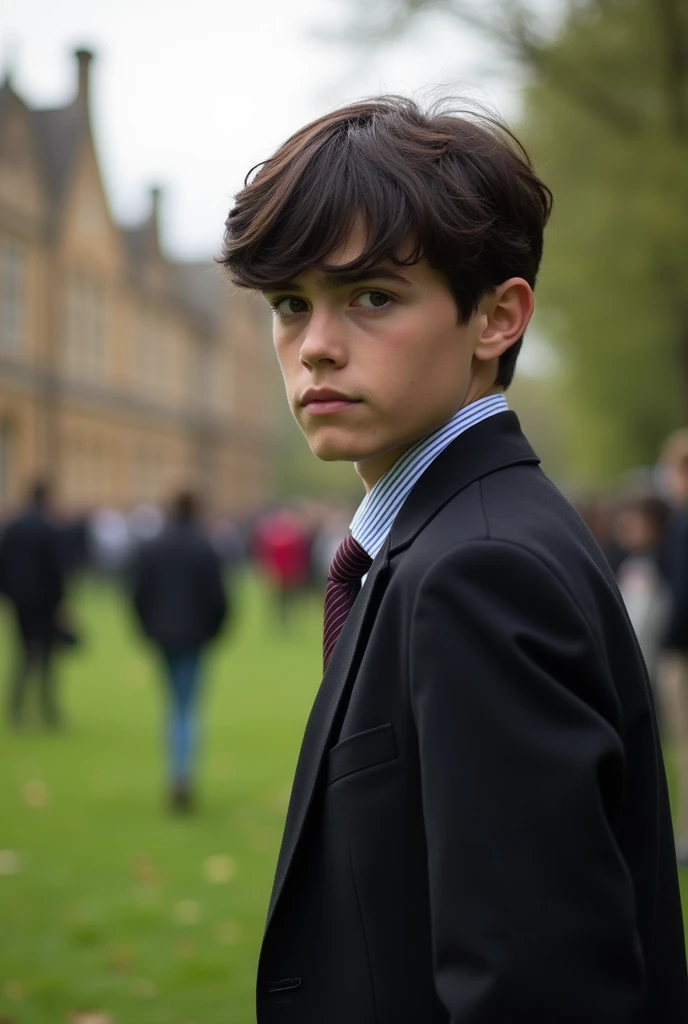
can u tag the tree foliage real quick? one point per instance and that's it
(606, 120)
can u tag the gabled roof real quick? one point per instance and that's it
(6, 95)
(195, 287)
(199, 288)
(202, 288)
(10, 99)
(141, 243)
(60, 134)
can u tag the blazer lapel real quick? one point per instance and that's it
(494, 444)
(343, 663)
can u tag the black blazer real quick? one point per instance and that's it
(31, 564)
(178, 590)
(479, 830)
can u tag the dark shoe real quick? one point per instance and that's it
(181, 799)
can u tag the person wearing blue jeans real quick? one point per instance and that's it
(183, 679)
(179, 599)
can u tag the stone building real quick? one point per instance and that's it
(123, 374)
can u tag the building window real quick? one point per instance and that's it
(6, 462)
(154, 365)
(12, 293)
(85, 339)
(87, 467)
(207, 375)
(150, 473)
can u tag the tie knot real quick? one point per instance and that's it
(350, 562)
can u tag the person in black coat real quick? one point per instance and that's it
(180, 601)
(479, 827)
(33, 581)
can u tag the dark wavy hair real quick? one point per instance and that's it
(455, 186)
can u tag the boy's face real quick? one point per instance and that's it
(374, 364)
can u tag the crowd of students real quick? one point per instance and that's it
(176, 567)
(643, 531)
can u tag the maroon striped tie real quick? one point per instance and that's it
(349, 564)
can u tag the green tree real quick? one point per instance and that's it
(606, 119)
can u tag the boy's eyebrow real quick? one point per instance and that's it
(336, 278)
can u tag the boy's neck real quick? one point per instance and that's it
(372, 470)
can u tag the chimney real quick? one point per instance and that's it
(156, 200)
(84, 58)
(11, 52)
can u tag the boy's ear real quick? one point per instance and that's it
(506, 313)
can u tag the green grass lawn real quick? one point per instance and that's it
(112, 905)
(111, 910)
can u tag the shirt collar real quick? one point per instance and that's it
(377, 511)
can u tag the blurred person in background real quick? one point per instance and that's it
(110, 541)
(333, 529)
(640, 532)
(281, 548)
(32, 578)
(75, 542)
(228, 541)
(674, 668)
(179, 597)
(144, 522)
(599, 513)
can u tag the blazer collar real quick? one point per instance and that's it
(490, 445)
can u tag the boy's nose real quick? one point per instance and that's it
(322, 343)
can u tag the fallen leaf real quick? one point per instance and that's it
(120, 958)
(146, 871)
(145, 989)
(228, 933)
(14, 991)
(36, 794)
(186, 912)
(10, 862)
(220, 868)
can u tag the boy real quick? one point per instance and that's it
(478, 829)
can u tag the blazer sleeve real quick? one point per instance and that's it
(532, 904)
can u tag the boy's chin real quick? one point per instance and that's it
(333, 455)
(332, 451)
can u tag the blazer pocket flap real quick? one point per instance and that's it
(362, 750)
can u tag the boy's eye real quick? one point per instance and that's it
(290, 305)
(373, 300)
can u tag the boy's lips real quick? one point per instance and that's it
(325, 401)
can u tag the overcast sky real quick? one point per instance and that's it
(191, 94)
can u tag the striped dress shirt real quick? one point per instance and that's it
(377, 511)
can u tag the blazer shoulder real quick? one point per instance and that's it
(525, 515)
